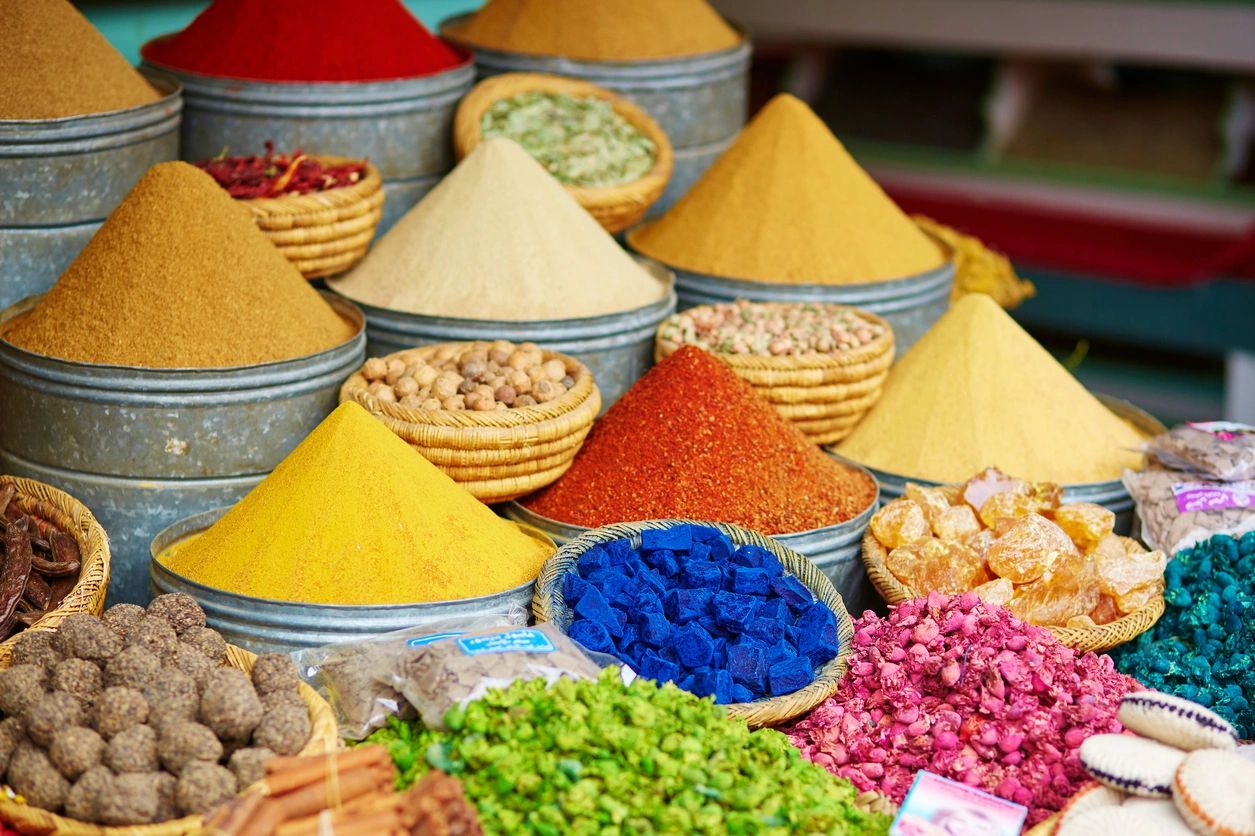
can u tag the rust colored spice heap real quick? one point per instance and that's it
(179, 277)
(691, 439)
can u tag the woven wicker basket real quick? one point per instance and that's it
(498, 455)
(615, 207)
(825, 395)
(323, 233)
(548, 605)
(72, 517)
(324, 737)
(1085, 639)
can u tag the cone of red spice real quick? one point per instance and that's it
(300, 40)
(690, 439)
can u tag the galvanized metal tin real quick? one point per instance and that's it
(265, 626)
(618, 348)
(700, 101)
(60, 178)
(910, 305)
(835, 549)
(402, 126)
(1110, 494)
(145, 447)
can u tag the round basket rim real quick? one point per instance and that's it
(468, 133)
(548, 606)
(1097, 638)
(354, 388)
(297, 204)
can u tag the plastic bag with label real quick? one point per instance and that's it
(1215, 450)
(1178, 510)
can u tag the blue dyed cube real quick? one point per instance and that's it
(732, 611)
(790, 675)
(700, 575)
(678, 538)
(618, 552)
(593, 563)
(773, 567)
(654, 629)
(592, 636)
(793, 592)
(791, 634)
(818, 621)
(619, 591)
(747, 664)
(593, 606)
(652, 666)
(818, 650)
(699, 551)
(685, 605)
(772, 608)
(573, 588)
(664, 562)
(630, 635)
(750, 581)
(720, 655)
(765, 631)
(751, 556)
(649, 578)
(619, 624)
(647, 601)
(694, 647)
(687, 682)
(742, 694)
(779, 652)
(703, 683)
(720, 550)
(723, 687)
(705, 534)
(667, 651)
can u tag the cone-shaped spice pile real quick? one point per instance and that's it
(179, 277)
(691, 439)
(355, 516)
(977, 391)
(787, 203)
(500, 239)
(53, 63)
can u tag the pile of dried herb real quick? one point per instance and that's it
(272, 174)
(39, 565)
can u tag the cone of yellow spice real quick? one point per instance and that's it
(355, 516)
(977, 391)
(787, 203)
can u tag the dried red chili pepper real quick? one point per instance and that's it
(272, 174)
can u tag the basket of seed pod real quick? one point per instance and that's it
(54, 560)
(320, 211)
(608, 153)
(821, 365)
(501, 419)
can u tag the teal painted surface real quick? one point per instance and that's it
(129, 24)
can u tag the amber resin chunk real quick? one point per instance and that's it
(898, 523)
(1086, 523)
(929, 565)
(1029, 549)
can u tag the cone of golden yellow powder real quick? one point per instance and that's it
(977, 391)
(354, 515)
(787, 203)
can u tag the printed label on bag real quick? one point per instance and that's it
(1223, 430)
(434, 637)
(1213, 496)
(936, 806)
(527, 640)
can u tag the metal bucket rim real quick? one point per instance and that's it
(201, 82)
(1141, 419)
(165, 83)
(211, 377)
(188, 526)
(659, 271)
(744, 45)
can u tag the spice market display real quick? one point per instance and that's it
(516, 546)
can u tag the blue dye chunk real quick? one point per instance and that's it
(694, 647)
(792, 591)
(788, 676)
(592, 636)
(593, 606)
(751, 581)
(684, 605)
(765, 630)
(741, 694)
(732, 611)
(618, 552)
(704, 575)
(573, 587)
(654, 629)
(748, 665)
(677, 538)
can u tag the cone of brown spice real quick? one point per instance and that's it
(179, 277)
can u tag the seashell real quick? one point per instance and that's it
(1133, 765)
(1175, 721)
(1214, 792)
(1090, 797)
(1109, 821)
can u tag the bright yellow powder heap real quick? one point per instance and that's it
(787, 203)
(355, 516)
(977, 391)
(599, 30)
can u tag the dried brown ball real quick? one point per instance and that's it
(83, 800)
(165, 784)
(34, 647)
(275, 672)
(75, 750)
(11, 736)
(202, 787)
(179, 744)
(133, 800)
(121, 617)
(193, 663)
(248, 766)
(133, 750)
(135, 667)
(84, 636)
(207, 641)
(284, 730)
(117, 709)
(180, 611)
(230, 706)
(78, 677)
(156, 634)
(33, 776)
(277, 698)
(20, 687)
(172, 695)
(56, 711)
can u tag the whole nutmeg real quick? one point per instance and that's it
(375, 369)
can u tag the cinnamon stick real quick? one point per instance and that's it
(231, 818)
(348, 759)
(337, 824)
(349, 785)
(301, 772)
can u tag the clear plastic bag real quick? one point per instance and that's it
(1178, 510)
(1215, 450)
(456, 670)
(356, 678)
